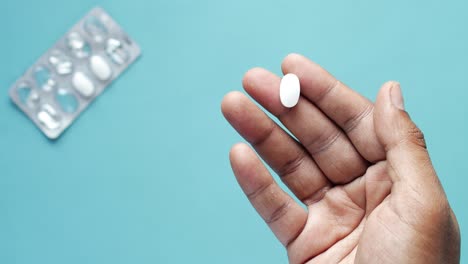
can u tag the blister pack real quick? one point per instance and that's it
(77, 69)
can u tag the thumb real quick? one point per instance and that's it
(417, 196)
(407, 158)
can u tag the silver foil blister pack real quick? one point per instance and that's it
(77, 69)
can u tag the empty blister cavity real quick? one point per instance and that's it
(100, 68)
(95, 28)
(62, 64)
(290, 90)
(48, 117)
(43, 78)
(83, 84)
(23, 93)
(67, 101)
(116, 51)
(27, 95)
(78, 46)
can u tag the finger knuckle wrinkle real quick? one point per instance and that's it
(278, 212)
(264, 136)
(292, 165)
(323, 142)
(351, 123)
(253, 195)
(416, 136)
(335, 84)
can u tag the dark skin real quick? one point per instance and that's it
(361, 168)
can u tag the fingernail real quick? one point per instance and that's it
(397, 97)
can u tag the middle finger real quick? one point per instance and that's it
(329, 146)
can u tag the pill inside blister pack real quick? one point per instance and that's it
(68, 77)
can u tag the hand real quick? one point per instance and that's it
(361, 169)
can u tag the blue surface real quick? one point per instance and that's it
(143, 176)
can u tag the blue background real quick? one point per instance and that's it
(143, 176)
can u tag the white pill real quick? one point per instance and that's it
(290, 90)
(83, 84)
(100, 68)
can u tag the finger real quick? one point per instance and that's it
(284, 155)
(417, 197)
(328, 145)
(283, 215)
(347, 108)
(404, 143)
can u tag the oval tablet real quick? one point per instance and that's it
(290, 90)
(83, 84)
(100, 68)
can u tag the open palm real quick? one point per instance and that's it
(361, 169)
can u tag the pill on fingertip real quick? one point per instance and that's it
(290, 90)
